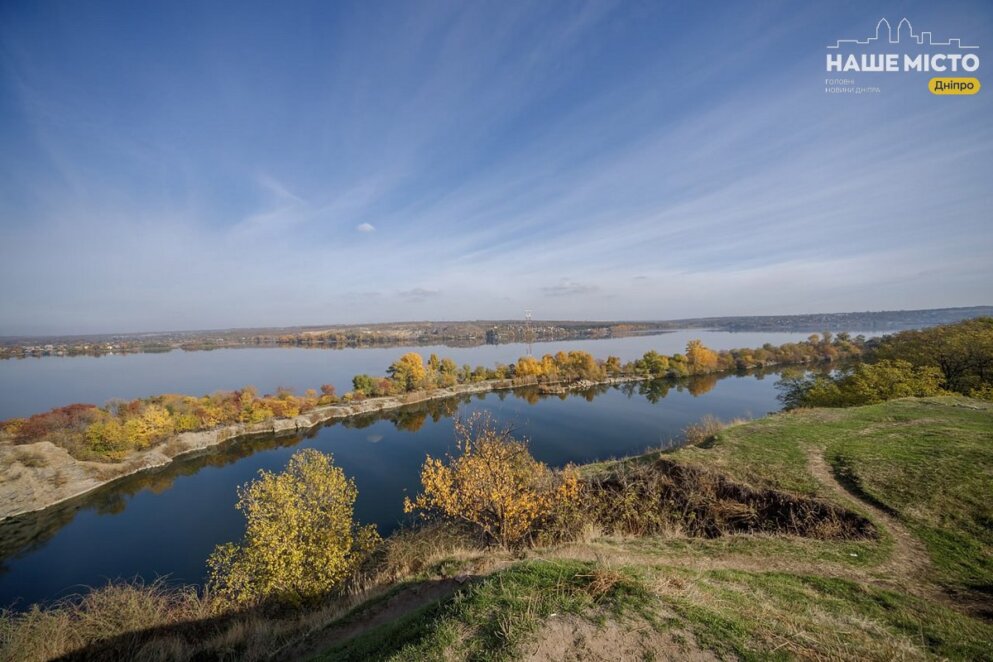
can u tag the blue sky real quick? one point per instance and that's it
(181, 165)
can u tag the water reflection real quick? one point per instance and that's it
(24, 534)
(28, 387)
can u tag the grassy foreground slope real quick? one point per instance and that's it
(928, 462)
(921, 470)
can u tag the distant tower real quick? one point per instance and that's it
(528, 331)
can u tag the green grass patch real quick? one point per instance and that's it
(763, 616)
(791, 549)
(488, 620)
(767, 453)
(930, 461)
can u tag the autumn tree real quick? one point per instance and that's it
(408, 372)
(866, 384)
(701, 359)
(448, 367)
(652, 363)
(578, 365)
(528, 366)
(363, 384)
(328, 395)
(962, 351)
(300, 537)
(493, 483)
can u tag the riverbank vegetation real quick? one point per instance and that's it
(465, 334)
(955, 358)
(864, 384)
(111, 432)
(951, 358)
(767, 538)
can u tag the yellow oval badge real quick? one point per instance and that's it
(954, 85)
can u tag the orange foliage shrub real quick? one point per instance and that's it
(494, 483)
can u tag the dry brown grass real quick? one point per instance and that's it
(413, 551)
(159, 622)
(664, 497)
(703, 431)
(706, 429)
(602, 580)
(116, 611)
(31, 458)
(156, 622)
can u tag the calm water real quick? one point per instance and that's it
(167, 523)
(28, 386)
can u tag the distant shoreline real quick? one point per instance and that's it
(470, 333)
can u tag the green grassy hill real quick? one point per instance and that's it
(920, 470)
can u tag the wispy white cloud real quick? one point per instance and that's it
(279, 190)
(569, 288)
(418, 294)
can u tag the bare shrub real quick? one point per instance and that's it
(665, 496)
(703, 431)
(411, 551)
(119, 611)
(32, 458)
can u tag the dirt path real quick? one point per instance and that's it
(909, 564)
(908, 568)
(401, 603)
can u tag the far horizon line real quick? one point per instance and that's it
(306, 327)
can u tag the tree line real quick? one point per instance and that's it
(951, 358)
(411, 373)
(113, 431)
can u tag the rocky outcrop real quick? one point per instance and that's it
(584, 385)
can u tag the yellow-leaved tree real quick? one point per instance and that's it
(300, 538)
(408, 371)
(493, 483)
(528, 366)
(702, 359)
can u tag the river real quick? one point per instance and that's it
(166, 523)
